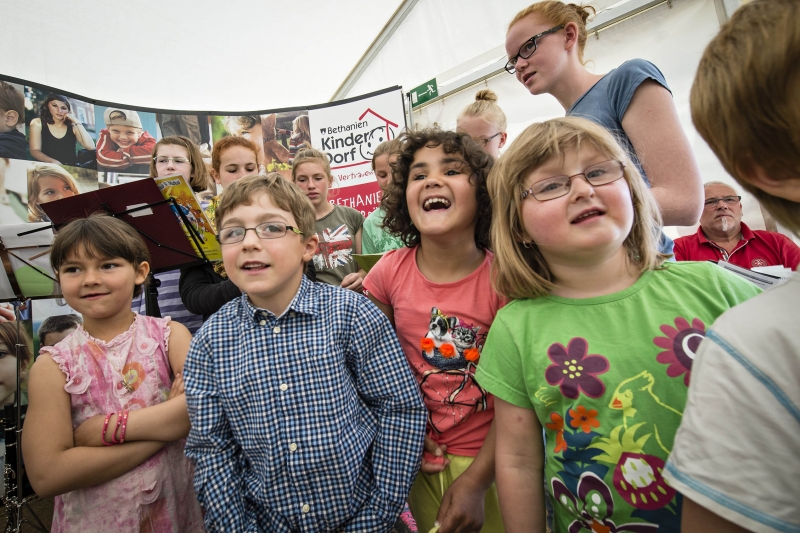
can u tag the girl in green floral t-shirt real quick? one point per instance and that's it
(597, 345)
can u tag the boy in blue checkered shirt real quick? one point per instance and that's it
(305, 415)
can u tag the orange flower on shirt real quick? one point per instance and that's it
(557, 425)
(447, 350)
(472, 355)
(426, 344)
(581, 418)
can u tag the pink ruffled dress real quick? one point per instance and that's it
(129, 372)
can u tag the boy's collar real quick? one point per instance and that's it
(304, 301)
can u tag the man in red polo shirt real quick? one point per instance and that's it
(722, 236)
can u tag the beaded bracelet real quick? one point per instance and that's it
(114, 434)
(124, 427)
(105, 428)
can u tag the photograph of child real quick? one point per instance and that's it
(61, 129)
(12, 124)
(127, 141)
(31, 183)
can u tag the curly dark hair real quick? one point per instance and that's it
(44, 110)
(398, 221)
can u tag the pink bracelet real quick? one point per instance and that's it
(116, 429)
(124, 427)
(105, 428)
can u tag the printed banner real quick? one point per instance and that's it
(349, 133)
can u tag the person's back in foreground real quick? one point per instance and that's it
(305, 415)
(735, 458)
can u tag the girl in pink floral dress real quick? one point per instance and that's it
(106, 419)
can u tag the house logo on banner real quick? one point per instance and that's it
(349, 133)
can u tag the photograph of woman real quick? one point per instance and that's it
(54, 136)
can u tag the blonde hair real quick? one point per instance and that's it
(200, 178)
(485, 108)
(311, 155)
(520, 270)
(40, 170)
(753, 65)
(284, 195)
(560, 14)
(390, 148)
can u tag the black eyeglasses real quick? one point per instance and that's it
(267, 230)
(527, 49)
(727, 200)
(485, 142)
(558, 186)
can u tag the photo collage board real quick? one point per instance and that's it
(55, 144)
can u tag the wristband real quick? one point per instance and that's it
(105, 428)
(124, 427)
(114, 435)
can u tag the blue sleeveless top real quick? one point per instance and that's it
(608, 99)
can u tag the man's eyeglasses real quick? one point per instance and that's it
(727, 200)
(527, 49)
(485, 142)
(175, 160)
(267, 230)
(558, 186)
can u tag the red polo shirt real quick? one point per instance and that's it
(756, 249)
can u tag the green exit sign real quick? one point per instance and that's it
(423, 93)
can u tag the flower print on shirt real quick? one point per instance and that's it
(574, 369)
(680, 345)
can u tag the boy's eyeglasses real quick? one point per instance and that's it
(727, 200)
(527, 49)
(557, 186)
(485, 142)
(175, 160)
(267, 230)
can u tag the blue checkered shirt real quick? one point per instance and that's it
(310, 421)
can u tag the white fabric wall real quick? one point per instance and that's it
(673, 39)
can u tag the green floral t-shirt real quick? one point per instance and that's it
(375, 239)
(608, 379)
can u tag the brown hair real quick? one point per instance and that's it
(520, 270)
(311, 155)
(393, 147)
(199, 180)
(99, 236)
(57, 324)
(485, 108)
(39, 170)
(284, 195)
(398, 220)
(8, 336)
(12, 100)
(560, 14)
(744, 98)
(229, 142)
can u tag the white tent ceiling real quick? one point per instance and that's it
(184, 54)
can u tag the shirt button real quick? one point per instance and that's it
(292, 314)
(263, 322)
(293, 447)
(306, 508)
(277, 329)
(283, 386)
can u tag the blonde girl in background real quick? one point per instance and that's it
(375, 239)
(597, 343)
(107, 416)
(338, 227)
(485, 122)
(47, 183)
(545, 44)
(176, 155)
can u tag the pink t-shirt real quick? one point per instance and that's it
(442, 327)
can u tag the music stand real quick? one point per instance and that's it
(142, 205)
(25, 275)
